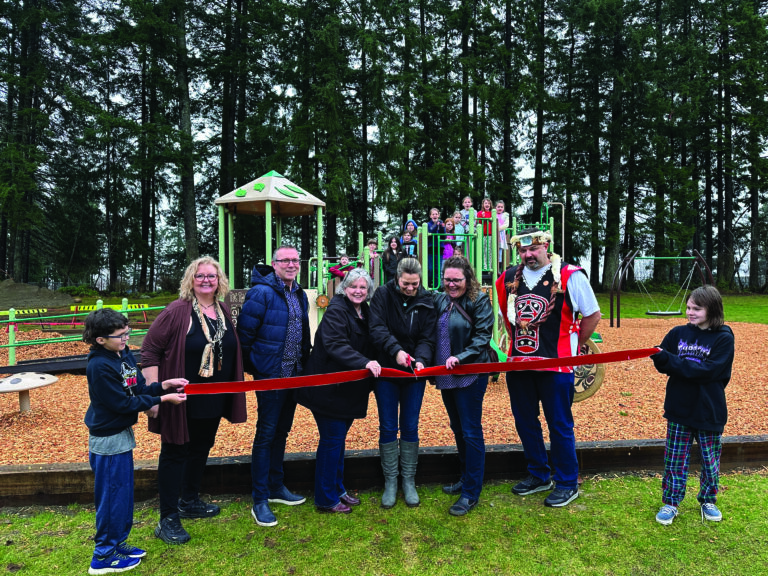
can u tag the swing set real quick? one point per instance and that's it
(675, 305)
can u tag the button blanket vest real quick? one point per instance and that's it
(552, 339)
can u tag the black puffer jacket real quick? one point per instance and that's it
(400, 323)
(342, 342)
(469, 342)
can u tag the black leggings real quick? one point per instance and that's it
(180, 467)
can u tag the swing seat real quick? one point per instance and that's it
(663, 312)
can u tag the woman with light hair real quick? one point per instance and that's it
(193, 336)
(342, 342)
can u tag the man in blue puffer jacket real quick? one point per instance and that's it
(273, 327)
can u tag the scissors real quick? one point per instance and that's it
(409, 362)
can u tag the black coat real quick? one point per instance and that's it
(469, 342)
(390, 260)
(342, 342)
(399, 323)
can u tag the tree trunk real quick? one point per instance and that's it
(186, 165)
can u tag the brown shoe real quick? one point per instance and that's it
(349, 500)
(340, 508)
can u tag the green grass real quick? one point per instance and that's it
(609, 530)
(737, 307)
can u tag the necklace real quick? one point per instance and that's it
(206, 307)
(542, 272)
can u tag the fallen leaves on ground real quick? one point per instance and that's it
(628, 406)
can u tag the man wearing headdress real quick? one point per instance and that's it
(541, 300)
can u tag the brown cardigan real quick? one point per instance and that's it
(164, 347)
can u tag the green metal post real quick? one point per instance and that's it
(124, 309)
(223, 240)
(12, 337)
(495, 274)
(425, 255)
(479, 250)
(268, 216)
(99, 304)
(320, 277)
(231, 241)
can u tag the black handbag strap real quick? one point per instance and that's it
(463, 312)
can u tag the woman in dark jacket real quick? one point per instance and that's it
(341, 343)
(391, 258)
(464, 329)
(403, 322)
(193, 336)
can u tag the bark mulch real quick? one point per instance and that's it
(628, 406)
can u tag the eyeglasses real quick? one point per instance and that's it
(209, 277)
(453, 281)
(287, 261)
(124, 336)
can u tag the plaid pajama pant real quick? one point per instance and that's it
(677, 456)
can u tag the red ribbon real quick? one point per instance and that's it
(516, 363)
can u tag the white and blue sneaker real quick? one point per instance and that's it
(131, 551)
(666, 514)
(114, 563)
(710, 512)
(285, 496)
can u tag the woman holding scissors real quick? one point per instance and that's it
(402, 327)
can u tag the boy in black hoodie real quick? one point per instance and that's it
(698, 358)
(118, 392)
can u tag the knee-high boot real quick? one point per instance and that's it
(409, 457)
(389, 464)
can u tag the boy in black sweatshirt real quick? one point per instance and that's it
(118, 392)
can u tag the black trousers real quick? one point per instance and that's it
(180, 467)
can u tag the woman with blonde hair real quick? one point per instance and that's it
(193, 336)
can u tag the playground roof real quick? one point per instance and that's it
(287, 198)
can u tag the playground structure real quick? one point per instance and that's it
(275, 197)
(627, 265)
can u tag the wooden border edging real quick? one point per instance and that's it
(69, 483)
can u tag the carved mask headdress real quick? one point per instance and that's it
(531, 238)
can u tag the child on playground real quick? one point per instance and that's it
(434, 226)
(460, 229)
(118, 392)
(341, 269)
(503, 220)
(410, 228)
(698, 358)
(449, 242)
(372, 245)
(408, 245)
(465, 212)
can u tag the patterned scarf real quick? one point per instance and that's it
(206, 365)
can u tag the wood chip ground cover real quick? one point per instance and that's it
(628, 406)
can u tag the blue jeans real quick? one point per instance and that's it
(329, 460)
(405, 394)
(554, 390)
(113, 496)
(275, 410)
(465, 413)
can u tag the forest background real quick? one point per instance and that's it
(122, 121)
